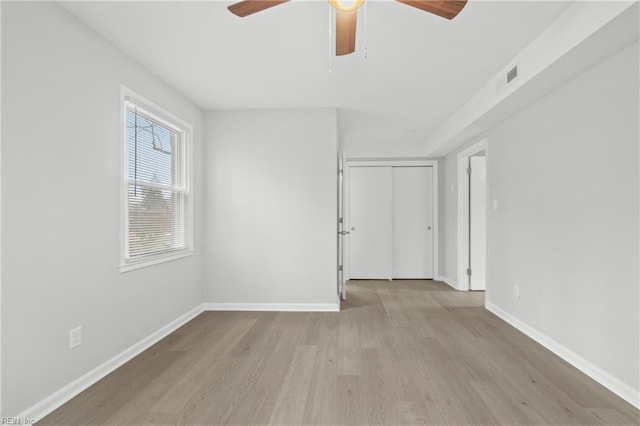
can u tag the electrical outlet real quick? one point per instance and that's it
(75, 337)
(516, 291)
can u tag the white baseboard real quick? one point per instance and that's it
(55, 400)
(615, 385)
(279, 307)
(450, 282)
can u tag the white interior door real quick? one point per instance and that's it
(342, 287)
(412, 222)
(477, 222)
(370, 241)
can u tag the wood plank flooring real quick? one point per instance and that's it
(401, 352)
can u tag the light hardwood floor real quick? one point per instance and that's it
(402, 352)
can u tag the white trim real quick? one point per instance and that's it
(346, 242)
(163, 117)
(451, 283)
(354, 162)
(157, 112)
(341, 227)
(615, 385)
(162, 258)
(276, 307)
(55, 400)
(152, 108)
(436, 219)
(463, 209)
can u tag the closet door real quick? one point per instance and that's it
(412, 221)
(370, 241)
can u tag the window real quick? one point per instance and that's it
(156, 187)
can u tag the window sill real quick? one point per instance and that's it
(143, 263)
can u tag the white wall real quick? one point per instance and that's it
(61, 204)
(271, 207)
(565, 174)
(383, 148)
(449, 189)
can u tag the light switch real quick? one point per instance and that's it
(75, 337)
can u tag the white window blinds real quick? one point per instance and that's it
(156, 185)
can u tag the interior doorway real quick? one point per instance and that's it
(472, 222)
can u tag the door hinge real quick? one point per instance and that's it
(340, 220)
(468, 170)
(469, 271)
(339, 267)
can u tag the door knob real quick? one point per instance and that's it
(428, 228)
(353, 228)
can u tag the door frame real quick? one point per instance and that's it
(342, 294)
(368, 162)
(463, 209)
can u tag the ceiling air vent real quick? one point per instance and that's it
(512, 74)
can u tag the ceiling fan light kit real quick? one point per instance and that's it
(346, 6)
(347, 15)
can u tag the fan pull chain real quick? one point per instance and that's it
(365, 31)
(330, 39)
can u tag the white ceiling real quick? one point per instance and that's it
(420, 68)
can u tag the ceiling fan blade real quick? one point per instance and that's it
(448, 9)
(249, 7)
(346, 31)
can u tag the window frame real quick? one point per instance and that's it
(185, 132)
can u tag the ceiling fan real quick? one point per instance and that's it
(347, 13)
